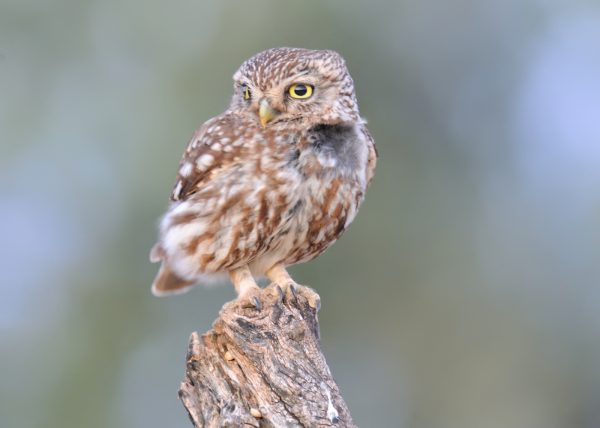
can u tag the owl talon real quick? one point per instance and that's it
(290, 292)
(250, 302)
(280, 293)
(250, 298)
(294, 289)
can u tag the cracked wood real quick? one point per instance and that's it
(263, 367)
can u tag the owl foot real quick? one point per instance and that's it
(246, 287)
(293, 290)
(284, 291)
(280, 277)
(303, 291)
(310, 295)
(250, 299)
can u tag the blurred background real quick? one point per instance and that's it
(467, 292)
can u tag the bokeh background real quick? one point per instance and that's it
(467, 292)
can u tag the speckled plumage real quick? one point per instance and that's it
(250, 200)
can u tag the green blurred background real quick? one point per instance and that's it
(466, 293)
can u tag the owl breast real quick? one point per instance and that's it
(286, 198)
(329, 180)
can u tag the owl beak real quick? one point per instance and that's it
(266, 113)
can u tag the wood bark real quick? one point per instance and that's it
(263, 367)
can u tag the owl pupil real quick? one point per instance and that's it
(300, 90)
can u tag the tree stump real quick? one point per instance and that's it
(263, 367)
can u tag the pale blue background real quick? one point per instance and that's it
(466, 294)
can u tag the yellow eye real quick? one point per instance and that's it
(300, 91)
(246, 92)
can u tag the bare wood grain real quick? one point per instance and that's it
(263, 367)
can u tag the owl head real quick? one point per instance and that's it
(284, 85)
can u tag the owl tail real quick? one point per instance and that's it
(167, 282)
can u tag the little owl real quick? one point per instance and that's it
(271, 182)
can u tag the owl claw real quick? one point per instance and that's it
(251, 299)
(294, 290)
(257, 303)
(280, 293)
(251, 302)
(313, 299)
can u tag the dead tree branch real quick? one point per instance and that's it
(263, 367)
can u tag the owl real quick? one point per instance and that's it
(271, 182)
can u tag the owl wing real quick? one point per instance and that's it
(212, 148)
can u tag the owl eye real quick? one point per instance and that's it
(246, 92)
(300, 91)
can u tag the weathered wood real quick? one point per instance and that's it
(263, 367)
